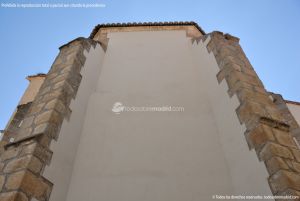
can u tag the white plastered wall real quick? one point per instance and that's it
(134, 156)
(65, 149)
(149, 156)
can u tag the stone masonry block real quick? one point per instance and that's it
(13, 196)
(36, 108)
(49, 129)
(44, 90)
(23, 133)
(33, 185)
(252, 95)
(44, 140)
(2, 181)
(227, 70)
(27, 122)
(271, 149)
(10, 153)
(42, 153)
(1, 166)
(57, 105)
(283, 179)
(72, 68)
(296, 166)
(274, 123)
(49, 116)
(61, 94)
(296, 153)
(275, 164)
(239, 85)
(229, 60)
(28, 161)
(236, 76)
(284, 138)
(289, 192)
(248, 110)
(259, 136)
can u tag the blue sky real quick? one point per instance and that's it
(269, 33)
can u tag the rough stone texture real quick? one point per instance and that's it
(281, 105)
(13, 196)
(2, 180)
(284, 179)
(259, 136)
(296, 153)
(23, 161)
(272, 149)
(270, 125)
(276, 163)
(14, 125)
(284, 138)
(35, 186)
(28, 161)
(9, 153)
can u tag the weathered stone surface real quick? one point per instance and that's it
(13, 196)
(44, 140)
(14, 125)
(49, 129)
(27, 122)
(57, 105)
(240, 76)
(296, 153)
(275, 164)
(23, 133)
(45, 90)
(284, 138)
(14, 180)
(50, 76)
(283, 179)
(252, 95)
(239, 85)
(36, 108)
(2, 180)
(248, 110)
(59, 93)
(10, 153)
(274, 113)
(38, 151)
(28, 148)
(274, 123)
(260, 135)
(289, 192)
(296, 166)
(61, 77)
(31, 184)
(1, 165)
(227, 70)
(28, 161)
(271, 149)
(74, 68)
(49, 116)
(285, 112)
